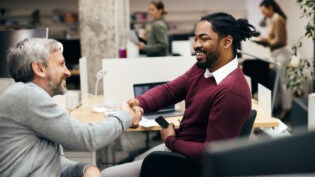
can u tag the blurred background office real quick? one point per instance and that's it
(93, 29)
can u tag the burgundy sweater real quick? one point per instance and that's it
(213, 112)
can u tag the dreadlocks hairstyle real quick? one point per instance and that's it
(224, 24)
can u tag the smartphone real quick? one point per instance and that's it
(162, 122)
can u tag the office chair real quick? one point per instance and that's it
(248, 125)
(170, 164)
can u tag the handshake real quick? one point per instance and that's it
(132, 107)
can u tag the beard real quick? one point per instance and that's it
(57, 89)
(210, 60)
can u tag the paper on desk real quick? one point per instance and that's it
(132, 36)
(279, 131)
(145, 122)
(282, 126)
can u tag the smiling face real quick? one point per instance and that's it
(57, 73)
(154, 12)
(207, 45)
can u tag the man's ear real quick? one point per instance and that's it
(228, 40)
(38, 69)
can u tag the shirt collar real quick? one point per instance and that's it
(222, 72)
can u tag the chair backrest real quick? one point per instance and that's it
(168, 164)
(248, 125)
(5, 83)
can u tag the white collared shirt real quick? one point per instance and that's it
(222, 72)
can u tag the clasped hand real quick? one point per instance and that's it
(169, 131)
(134, 112)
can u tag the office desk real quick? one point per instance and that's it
(85, 115)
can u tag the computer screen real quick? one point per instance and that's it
(140, 88)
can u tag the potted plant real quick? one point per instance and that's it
(298, 75)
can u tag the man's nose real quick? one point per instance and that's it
(67, 72)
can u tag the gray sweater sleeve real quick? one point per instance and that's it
(51, 122)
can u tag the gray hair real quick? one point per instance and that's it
(28, 51)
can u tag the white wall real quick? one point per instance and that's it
(296, 27)
(123, 73)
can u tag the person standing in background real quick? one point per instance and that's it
(276, 40)
(157, 40)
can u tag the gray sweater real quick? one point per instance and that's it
(32, 128)
(157, 41)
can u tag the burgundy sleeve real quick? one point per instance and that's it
(227, 116)
(166, 94)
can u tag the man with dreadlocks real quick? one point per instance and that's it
(217, 96)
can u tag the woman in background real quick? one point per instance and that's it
(157, 40)
(276, 40)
